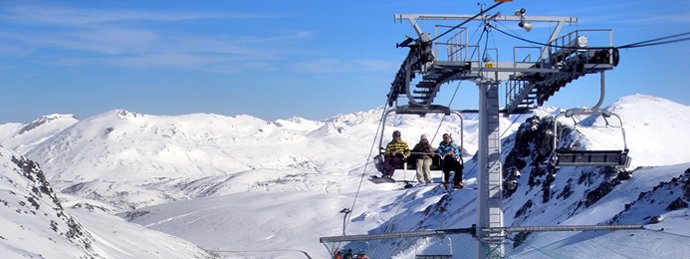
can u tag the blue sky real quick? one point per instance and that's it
(277, 59)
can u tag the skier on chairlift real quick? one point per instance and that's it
(450, 153)
(397, 152)
(423, 153)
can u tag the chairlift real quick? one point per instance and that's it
(617, 158)
(434, 248)
(353, 250)
(420, 110)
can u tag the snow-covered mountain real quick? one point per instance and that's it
(24, 137)
(244, 184)
(132, 160)
(33, 212)
(36, 224)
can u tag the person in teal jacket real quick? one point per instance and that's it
(450, 154)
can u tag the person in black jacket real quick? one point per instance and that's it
(424, 153)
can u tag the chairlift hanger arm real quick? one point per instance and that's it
(595, 109)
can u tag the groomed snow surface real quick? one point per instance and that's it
(205, 185)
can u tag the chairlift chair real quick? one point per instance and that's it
(617, 158)
(563, 157)
(442, 249)
(355, 248)
(420, 110)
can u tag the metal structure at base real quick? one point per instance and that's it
(456, 234)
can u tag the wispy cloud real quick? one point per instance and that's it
(105, 40)
(341, 66)
(82, 16)
(77, 36)
(167, 59)
(6, 49)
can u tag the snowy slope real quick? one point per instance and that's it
(665, 206)
(276, 221)
(568, 195)
(130, 160)
(8, 130)
(655, 129)
(574, 195)
(123, 157)
(124, 145)
(35, 223)
(260, 185)
(24, 137)
(116, 238)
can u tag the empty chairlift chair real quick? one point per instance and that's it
(564, 157)
(434, 248)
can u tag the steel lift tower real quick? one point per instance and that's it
(529, 82)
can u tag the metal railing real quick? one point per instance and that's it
(268, 253)
(571, 41)
(587, 241)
